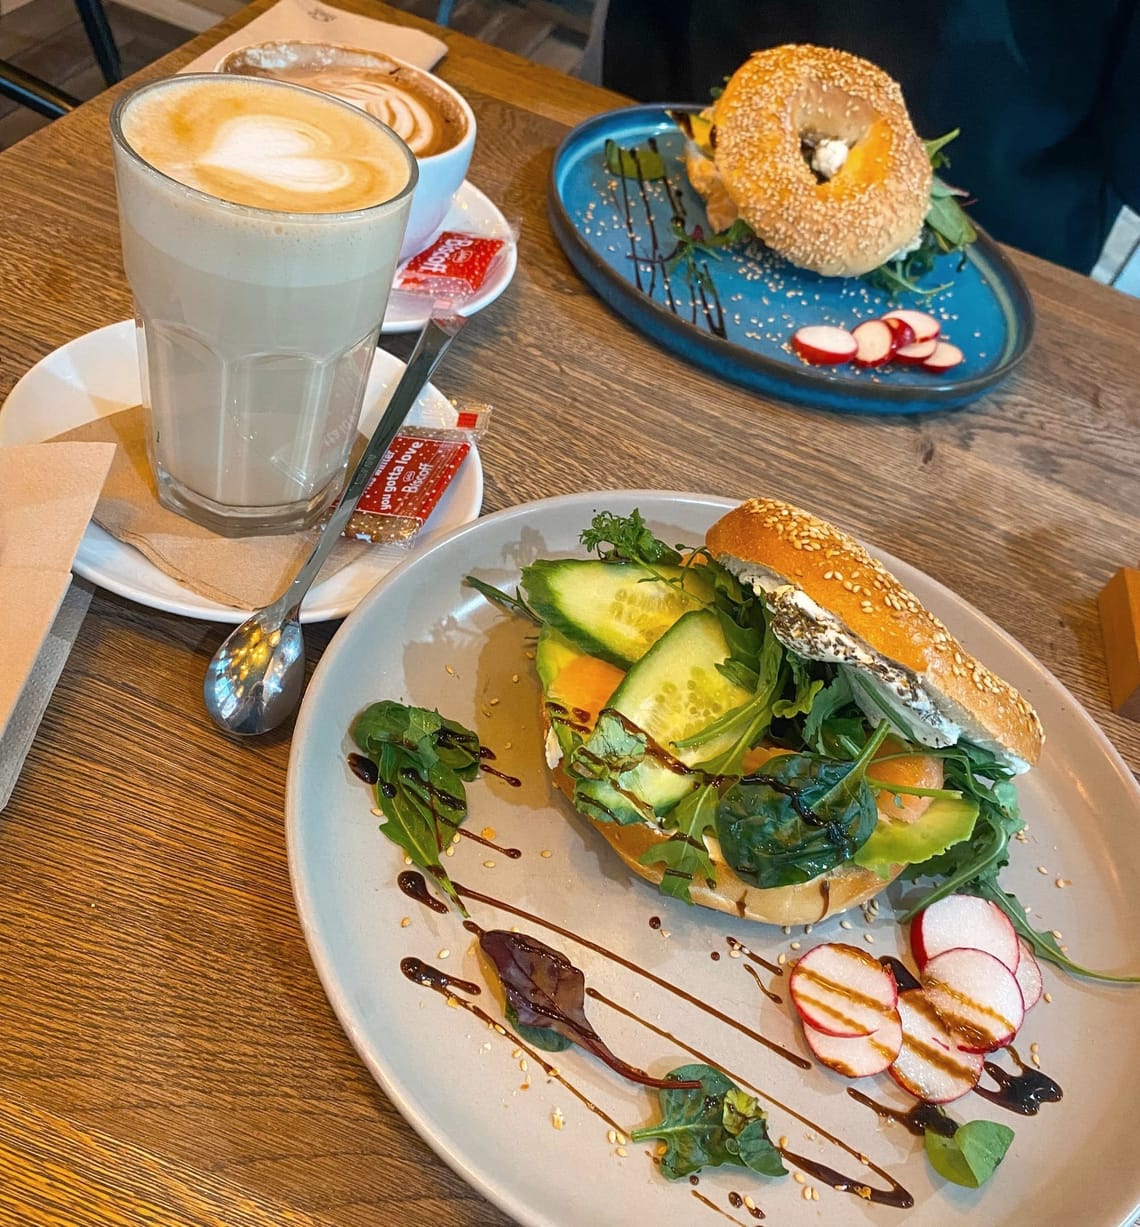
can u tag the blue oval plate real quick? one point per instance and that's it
(734, 312)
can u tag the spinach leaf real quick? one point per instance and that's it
(544, 990)
(972, 1155)
(714, 1124)
(421, 761)
(800, 819)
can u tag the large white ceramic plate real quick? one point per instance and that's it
(425, 638)
(97, 374)
(471, 212)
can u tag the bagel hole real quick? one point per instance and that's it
(823, 113)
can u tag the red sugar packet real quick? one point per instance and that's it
(412, 478)
(454, 267)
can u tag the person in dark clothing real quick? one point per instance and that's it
(1046, 93)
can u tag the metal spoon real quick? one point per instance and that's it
(255, 679)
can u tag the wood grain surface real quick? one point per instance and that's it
(166, 1052)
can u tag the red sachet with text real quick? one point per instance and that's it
(412, 478)
(453, 269)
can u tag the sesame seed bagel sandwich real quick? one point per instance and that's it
(769, 723)
(813, 148)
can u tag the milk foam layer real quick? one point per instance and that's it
(253, 143)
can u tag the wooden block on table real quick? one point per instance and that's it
(1119, 605)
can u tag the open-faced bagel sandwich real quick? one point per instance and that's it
(768, 724)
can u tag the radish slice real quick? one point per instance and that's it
(925, 327)
(842, 990)
(876, 343)
(929, 1065)
(976, 996)
(964, 921)
(902, 331)
(944, 358)
(1028, 976)
(916, 354)
(824, 345)
(857, 1056)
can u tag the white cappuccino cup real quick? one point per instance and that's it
(433, 119)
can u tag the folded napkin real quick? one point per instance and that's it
(243, 572)
(312, 22)
(47, 493)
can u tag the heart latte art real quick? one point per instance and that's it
(269, 148)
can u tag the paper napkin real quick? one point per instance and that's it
(312, 22)
(47, 493)
(243, 572)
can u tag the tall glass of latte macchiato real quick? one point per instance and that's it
(261, 226)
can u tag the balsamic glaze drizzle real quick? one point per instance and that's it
(922, 1118)
(1023, 1092)
(440, 982)
(896, 1195)
(502, 905)
(363, 768)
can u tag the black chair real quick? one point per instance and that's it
(44, 98)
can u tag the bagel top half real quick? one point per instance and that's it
(848, 207)
(831, 601)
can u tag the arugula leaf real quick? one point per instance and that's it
(826, 705)
(421, 759)
(972, 1155)
(513, 604)
(641, 164)
(629, 539)
(684, 854)
(801, 818)
(972, 866)
(946, 228)
(934, 148)
(710, 1126)
(546, 991)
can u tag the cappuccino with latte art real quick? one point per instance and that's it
(411, 102)
(428, 114)
(261, 226)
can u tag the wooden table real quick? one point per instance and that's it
(166, 1052)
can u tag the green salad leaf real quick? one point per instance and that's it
(714, 1125)
(972, 866)
(634, 163)
(802, 817)
(421, 760)
(972, 1155)
(946, 228)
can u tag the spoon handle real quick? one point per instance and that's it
(433, 342)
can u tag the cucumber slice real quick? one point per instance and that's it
(615, 610)
(670, 695)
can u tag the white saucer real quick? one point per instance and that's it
(471, 212)
(97, 374)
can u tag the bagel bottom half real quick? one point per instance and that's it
(804, 903)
